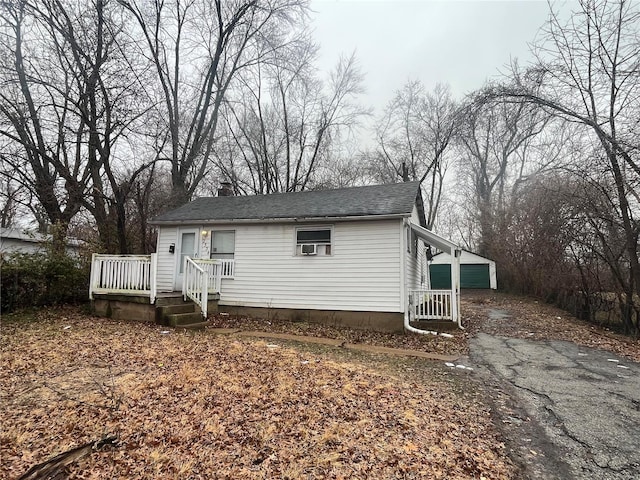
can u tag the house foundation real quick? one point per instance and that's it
(124, 307)
(137, 308)
(374, 321)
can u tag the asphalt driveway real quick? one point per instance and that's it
(567, 411)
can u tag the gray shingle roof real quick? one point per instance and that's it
(393, 199)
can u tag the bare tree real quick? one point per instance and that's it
(532, 251)
(502, 145)
(413, 139)
(197, 48)
(287, 124)
(70, 97)
(42, 162)
(588, 73)
(10, 195)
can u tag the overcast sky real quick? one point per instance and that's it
(461, 43)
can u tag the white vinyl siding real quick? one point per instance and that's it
(362, 274)
(166, 260)
(414, 261)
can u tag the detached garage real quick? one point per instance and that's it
(475, 271)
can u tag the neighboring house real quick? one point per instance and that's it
(16, 241)
(475, 271)
(353, 256)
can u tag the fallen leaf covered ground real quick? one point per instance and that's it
(197, 405)
(455, 343)
(525, 318)
(532, 319)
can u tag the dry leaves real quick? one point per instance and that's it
(195, 405)
(425, 343)
(532, 319)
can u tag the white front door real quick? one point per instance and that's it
(187, 247)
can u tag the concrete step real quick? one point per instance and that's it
(165, 299)
(175, 298)
(178, 308)
(173, 310)
(180, 319)
(163, 311)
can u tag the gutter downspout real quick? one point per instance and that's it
(411, 329)
(403, 261)
(456, 254)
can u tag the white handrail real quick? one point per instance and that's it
(154, 280)
(195, 284)
(212, 268)
(123, 274)
(217, 269)
(227, 266)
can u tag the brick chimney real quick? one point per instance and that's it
(225, 190)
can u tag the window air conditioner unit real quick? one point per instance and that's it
(309, 249)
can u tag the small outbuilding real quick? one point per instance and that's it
(476, 271)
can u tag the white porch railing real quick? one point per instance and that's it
(228, 268)
(216, 269)
(195, 284)
(431, 305)
(123, 274)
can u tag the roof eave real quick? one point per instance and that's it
(434, 239)
(279, 220)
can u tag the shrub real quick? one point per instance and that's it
(44, 278)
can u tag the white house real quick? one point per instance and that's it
(476, 271)
(353, 256)
(13, 240)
